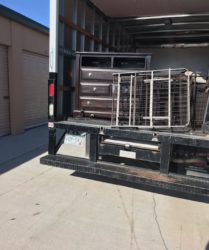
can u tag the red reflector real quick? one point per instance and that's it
(51, 90)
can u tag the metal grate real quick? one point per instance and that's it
(151, 99)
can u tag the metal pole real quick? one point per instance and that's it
(169, 98)
(151, 100)
(130, 99)
(134, 108)
(118, 102)
(188, 100)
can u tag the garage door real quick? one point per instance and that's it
(4, 93)
(35, 79)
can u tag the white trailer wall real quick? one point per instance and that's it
(195, 59)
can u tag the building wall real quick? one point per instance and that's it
(19, 38)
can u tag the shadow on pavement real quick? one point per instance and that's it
(17, 161)
(143, 187)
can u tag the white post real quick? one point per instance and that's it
(53, 41)
(151, 99)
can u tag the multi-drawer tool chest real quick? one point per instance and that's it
(94, 79)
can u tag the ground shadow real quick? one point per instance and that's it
(143, 187)
(17, 161)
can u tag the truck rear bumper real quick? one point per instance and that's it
(172, 184)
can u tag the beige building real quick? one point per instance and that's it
(23, 72)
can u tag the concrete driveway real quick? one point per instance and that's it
(43, 207)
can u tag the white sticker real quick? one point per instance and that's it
(128, 154)
(74, 139)
(50, 125)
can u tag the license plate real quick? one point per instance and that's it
(74, 139)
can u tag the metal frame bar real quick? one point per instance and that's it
(151, 99)
(169, 97)
(134, 109)
(130, 100)
(118, 102)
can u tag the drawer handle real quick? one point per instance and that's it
(94, 89)
(88, 102)
(90, 74)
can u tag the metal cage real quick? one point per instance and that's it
(151, 99)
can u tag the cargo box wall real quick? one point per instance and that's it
(192, 58)
(100, 26)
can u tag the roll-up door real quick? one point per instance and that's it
(4, 92)
(35, 78)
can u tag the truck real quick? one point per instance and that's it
(128, 93)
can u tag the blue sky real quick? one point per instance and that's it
(37, 10)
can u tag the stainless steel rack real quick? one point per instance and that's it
(151, 99)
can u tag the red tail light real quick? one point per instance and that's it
(51, 90)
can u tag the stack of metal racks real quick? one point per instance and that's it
(151, 99)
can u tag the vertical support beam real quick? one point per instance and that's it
(113, 36)
(118, 102)
(123, 42)
(119, 40)
(130, 100)
(151, 100)
(74, 19)
(52, 97)
(54, 31)
(83, 24)
(60, 58)
(100, 32)
(188, 100)
(108, 36)
(92, 45)
(127, 42)
(52, 141)
(134, 108)
(74, 48)
(93, 147)
(165, 155)
(169, 98)
(53, 54)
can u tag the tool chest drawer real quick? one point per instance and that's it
(102, 89)
(88, 103)
(93, 75)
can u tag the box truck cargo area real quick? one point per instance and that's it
(128, 86)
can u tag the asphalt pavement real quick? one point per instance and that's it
(43, 207)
